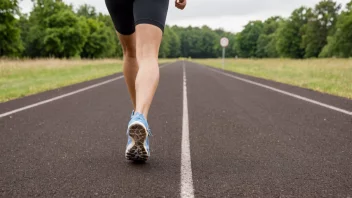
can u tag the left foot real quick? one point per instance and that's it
(138, 143)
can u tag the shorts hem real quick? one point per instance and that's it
(151, 22)
(125, 33)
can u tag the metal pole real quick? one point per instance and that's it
(223, 58)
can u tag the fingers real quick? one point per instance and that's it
(180, 4)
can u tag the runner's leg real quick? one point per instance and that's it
(121, 12)
(130, 65)
(148, 39)
(140, 32)
(150, 17)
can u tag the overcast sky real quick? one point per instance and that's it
(231, 15)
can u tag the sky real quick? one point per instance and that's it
(230, 15)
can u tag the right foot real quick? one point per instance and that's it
(138, 143)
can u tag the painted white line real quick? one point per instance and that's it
(165, 65)
(65, 95)
(285, 92)
(186, 168)
(58, 97)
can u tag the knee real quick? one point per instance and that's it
(129, 52)
(147, 56)
(147, 60)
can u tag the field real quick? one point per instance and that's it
(20, 78)
(333, 76)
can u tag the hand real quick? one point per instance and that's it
(180, 4)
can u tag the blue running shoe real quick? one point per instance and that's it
(138, 131)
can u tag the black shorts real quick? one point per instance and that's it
(126, 14)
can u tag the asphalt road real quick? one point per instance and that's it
(245, 140)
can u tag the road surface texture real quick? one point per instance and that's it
(245, 140)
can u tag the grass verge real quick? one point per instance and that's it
(333, 76)
(20, 78)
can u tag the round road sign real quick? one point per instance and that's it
(224, 42)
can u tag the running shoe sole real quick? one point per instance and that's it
(137, 152)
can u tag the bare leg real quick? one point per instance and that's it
(148, 39)
(130, 65)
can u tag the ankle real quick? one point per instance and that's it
(142, 113)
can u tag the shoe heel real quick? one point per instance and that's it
(138, 134)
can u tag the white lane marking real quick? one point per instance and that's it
(186, 168)
(284, 92)
(66, 95)
(165, 65)
(58, 97)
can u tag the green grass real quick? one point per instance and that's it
(333, 76)
(19, 78)
(23, 78)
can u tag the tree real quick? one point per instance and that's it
(186, 40)
(197, 42)
(97, 41)
(175, 45)
(320, 26)
(270, 48)
(87, 11)
(207, 40)
(24, 25)
(165, 46)
(114, 49)
(247, 39)
(171, 45)
(65, 34)
(262, 43)
(10, 37)
(55, 30)
(290, 33)
(340, 44)
(266, 43)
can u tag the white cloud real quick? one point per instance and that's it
(230, 15)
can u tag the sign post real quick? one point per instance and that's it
(224, 42)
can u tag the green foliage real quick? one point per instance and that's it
(24, 26)
(174, 44)
(197, 42)
(54, 29)
(10, 36)
(266, 41)
(98, 41)
(65, 34)
(165, 46)
(270, 49)
(114, 49)
(87, 11)
(320, 25)
(262, 42)
(339, 44)
(247, 39)
(290, 33)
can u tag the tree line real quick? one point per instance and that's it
(56, 29)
